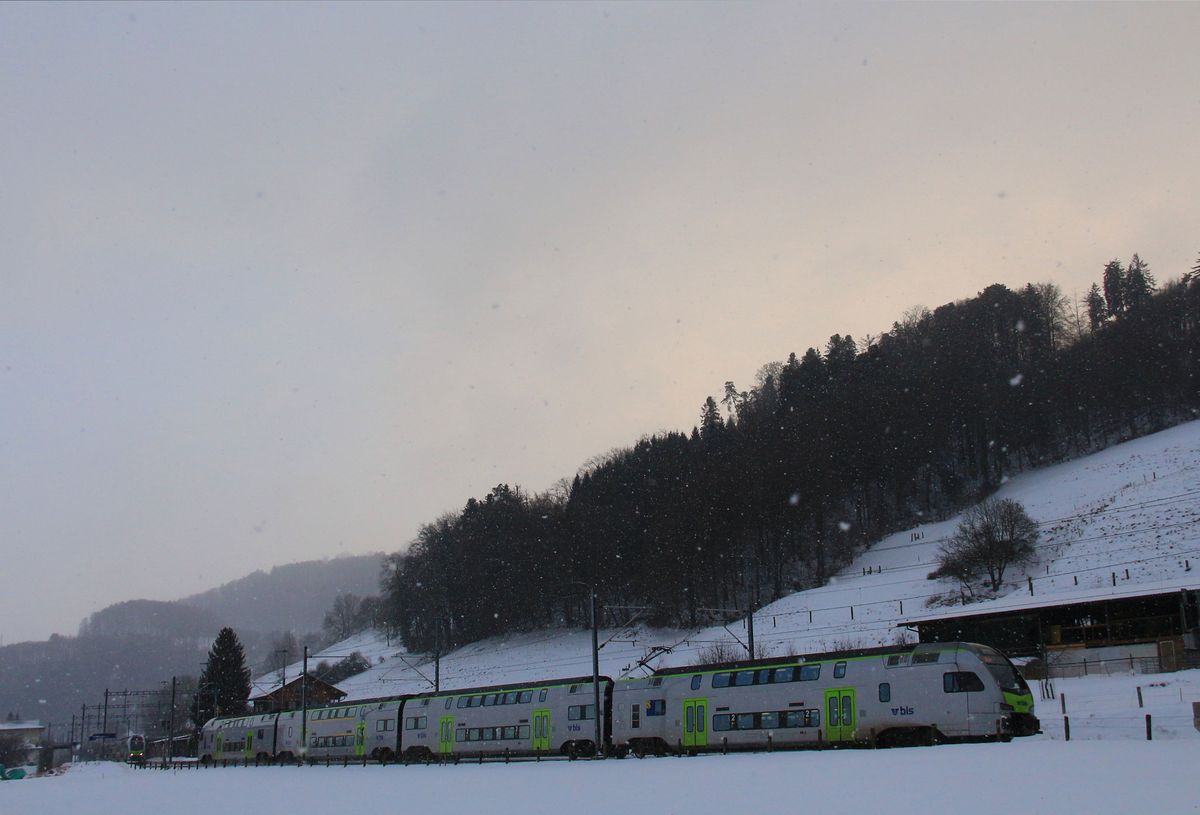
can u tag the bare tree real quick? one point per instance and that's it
(342, 620)
(994, 534)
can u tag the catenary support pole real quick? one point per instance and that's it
(304, 706)
(596, 672)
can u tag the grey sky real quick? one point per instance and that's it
(285, 281)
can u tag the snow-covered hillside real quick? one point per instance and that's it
(1134, 506)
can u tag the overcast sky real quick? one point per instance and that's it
(285, 281)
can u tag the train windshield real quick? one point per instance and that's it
(137, 742)
(1003, 671)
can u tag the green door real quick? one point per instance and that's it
(695, 722)
(249, 754)
(446, 735)
(541, 730)
(220, 748)
(840, 716)
(360, 739)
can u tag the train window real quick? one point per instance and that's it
(542, 695)
(581, 712)
(462, 701)
(460, 734)
(961, 682)
(574, 689)
(260, 734)
(424, 703)
(489, 699)
(701, 716)
(691, 719)
(656, 682)
(783, 674)
(526, 697)
(763, 676)
(769, 720)
(839, 670)
(743, 678)
(656, 707)
(893, 660)
(696, 682)
(635, 715)
(809, 673)
(926, 658)
(523, 731)
(885, 691)
(720, 680)
(723, 721)
(745, 721)
(512, 697)
(448, 701)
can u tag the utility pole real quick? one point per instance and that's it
(171, 725)
(596, 671)
(304, 706)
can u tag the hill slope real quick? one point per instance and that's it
(294, 597)
(1131, 506)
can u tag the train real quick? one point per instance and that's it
(882, 697)
(135, 749)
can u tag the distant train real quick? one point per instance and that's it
(906, 695)
(135, 749)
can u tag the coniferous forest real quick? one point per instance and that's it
(780, 484)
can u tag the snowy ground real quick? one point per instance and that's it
(1043, 776)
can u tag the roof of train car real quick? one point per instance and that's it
(526, 685)
(794, 659)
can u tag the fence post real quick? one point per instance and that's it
(1149, 732)
(1067, 727)
(1062, 698)
(1140, 696)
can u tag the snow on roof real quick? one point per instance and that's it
(1016, 603)
(30, 725)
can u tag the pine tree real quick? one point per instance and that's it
(1097, 309)
(225, 681)
(1114, 288)
(1139, 284)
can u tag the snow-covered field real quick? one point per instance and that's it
(1039, 776)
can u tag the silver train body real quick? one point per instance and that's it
(932, 692)
(889, 696)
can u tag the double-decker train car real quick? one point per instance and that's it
(556, 716)
(887, 696)
(921, 694)
(355, 730)
(240, 738)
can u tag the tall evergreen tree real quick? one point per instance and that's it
(1139, 284)
(225, 682)
(1114, 288)
(1097, 309)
